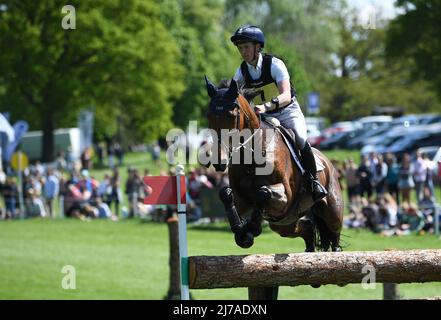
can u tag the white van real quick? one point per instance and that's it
(32, 143)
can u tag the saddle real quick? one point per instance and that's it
(289, 138)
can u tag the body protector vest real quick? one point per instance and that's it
(265, 87)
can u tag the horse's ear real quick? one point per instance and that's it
(233, 90)
(211, 88)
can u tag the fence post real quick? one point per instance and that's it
(390, 291)
(174, 291)
(436, 213)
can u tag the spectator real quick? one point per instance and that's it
(86, 159)
(365, 175)
(103, 209)
(50, 190)
(373, 216)
(392, 176)
(405, 179)
(10, 194)
(156, 152)
(430, 166)
(352, 180)
(379, 175)
(34, 205)
(116, 194)
(419, 172)
(110, 155)
(105, 189)
(412, 220)
(60, 161)
(119, 153)
(100, 154)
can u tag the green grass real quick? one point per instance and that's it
(128, 259)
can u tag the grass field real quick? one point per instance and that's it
(128, 259)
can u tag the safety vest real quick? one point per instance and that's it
(266, 86)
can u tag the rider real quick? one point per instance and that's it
(277, 97)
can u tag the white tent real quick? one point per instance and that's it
(9, 130)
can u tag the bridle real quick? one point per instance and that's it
(232, 150)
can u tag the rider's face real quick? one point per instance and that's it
(247, 51)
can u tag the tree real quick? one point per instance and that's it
(416, 34)
(119, 59)
(363, 78)
(195, 26)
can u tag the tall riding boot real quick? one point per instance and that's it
(317, 190)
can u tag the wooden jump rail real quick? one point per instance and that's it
(340, 268)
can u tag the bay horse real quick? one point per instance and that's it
(278, 196)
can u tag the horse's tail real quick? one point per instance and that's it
(322, 235)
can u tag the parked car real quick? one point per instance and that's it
(409, 143)
(339, 140)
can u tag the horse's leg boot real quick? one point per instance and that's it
(244, 239)
(255, 225)
(317, 190)
(236, 223)
(263, 195)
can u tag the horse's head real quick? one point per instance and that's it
(230, 112)
(222, 114)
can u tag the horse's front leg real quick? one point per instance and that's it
(244, 238)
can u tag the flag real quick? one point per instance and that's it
(163, 190)
(6, 128)
(20, 128)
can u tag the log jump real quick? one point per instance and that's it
(321, 268)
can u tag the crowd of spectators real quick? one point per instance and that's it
(66, 188)
(379, 192)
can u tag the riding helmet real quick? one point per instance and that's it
(248, 33)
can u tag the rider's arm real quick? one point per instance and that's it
(280, 74)
(285, 92)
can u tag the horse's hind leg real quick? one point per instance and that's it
(305, 228)
(329, 218)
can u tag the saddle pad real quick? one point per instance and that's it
(289, 140)
(319, 164)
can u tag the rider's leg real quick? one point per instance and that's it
(292, 118)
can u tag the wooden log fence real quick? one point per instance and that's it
(321, 268)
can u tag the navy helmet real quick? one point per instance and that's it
(248, 33)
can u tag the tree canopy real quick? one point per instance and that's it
(140, 64)
(417, 34)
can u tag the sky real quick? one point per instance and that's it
(366, 6)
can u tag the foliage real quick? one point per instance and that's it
(416, 34)
(364, 79)
(110, 61)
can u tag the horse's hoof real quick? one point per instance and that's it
(244, 240)
(315, 286)
(337, 249)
